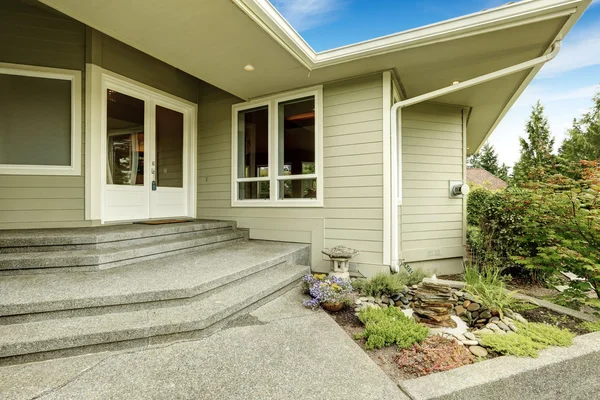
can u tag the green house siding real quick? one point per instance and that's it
(353, 174)
(34, 34)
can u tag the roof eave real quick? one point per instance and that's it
(511, 15)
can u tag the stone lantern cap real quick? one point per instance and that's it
(340, 252)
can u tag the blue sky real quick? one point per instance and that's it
(565, 85)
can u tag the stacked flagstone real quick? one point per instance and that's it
(433, 305)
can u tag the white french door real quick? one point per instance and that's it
(148, 153)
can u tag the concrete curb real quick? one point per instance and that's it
(477, 380)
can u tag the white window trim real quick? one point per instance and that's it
(273, 115)
(51, 73)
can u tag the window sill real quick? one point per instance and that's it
(7, 169)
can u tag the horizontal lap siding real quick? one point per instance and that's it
(36, 35)
(353, 161)
(431, 224)
(353, 173)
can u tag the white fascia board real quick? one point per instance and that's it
(523, 12)
(561, 35)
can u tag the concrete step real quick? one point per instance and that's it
(63, 337)
(122, 235)
(111, 257)
(165, 282)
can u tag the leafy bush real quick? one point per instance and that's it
(477, 200)
(386, 326)
(435, 354)
(566, 217)
(489, 286)
(387, 284)
(530, 338)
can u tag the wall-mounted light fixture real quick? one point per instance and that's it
(458, 189)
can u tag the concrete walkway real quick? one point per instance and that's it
(279, 351)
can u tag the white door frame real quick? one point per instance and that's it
(98, 80)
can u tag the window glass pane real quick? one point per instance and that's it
(297, 137)
(254, 190)
(169, 148)
(35, 115)
(253, 143)
(298, 189)
(125, 130)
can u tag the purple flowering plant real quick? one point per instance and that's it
(326, 289)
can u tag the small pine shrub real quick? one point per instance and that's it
(387, 326)
(512, 344)
(520, 306)
(528, 340)
(546, 334)
(387, 284)
(592, 326)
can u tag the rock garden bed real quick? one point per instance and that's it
(460, 328)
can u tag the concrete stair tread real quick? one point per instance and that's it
(101, 234)
(175, 276)
(43, 336)
(104, 255)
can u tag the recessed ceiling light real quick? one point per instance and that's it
(249, 67)
(455, 82)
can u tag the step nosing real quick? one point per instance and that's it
(140, 324)
(66, 303)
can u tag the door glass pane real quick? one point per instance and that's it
(125, 130)
(253, 143)
(169, 148)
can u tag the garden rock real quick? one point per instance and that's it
(473, 307)
(469, 336)
(502, 326)
(478, 351)
(459, 310)
(470, 342)
(432, 305)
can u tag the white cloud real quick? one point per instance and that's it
(307, 14)
(580, 50)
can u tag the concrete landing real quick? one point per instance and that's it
(279, 351)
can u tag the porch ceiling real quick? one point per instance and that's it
(214, 40)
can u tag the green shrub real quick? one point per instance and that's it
(591, 326)
(387, 326)
(546, 334)
(489, 286)
(387, 284)
(528, 340)
(521, 306)
(477, 200)
(512, 344)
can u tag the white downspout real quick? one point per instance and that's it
(396, 134)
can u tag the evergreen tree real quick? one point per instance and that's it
(583, 141)
(536, 151)
(487, 159)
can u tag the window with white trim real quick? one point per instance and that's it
(40, 114)
(277, 151)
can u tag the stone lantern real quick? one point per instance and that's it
(340, 260)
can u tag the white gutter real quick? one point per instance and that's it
(396, 134)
